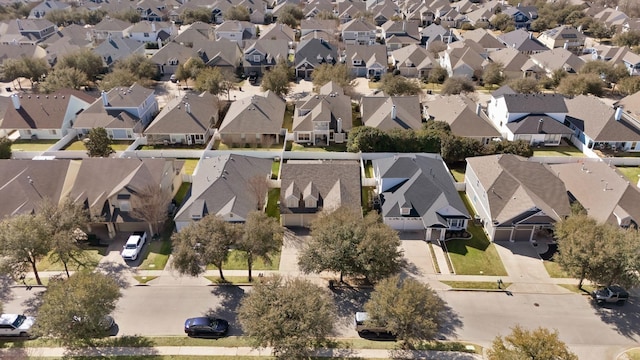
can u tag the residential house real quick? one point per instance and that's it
(71, 39)
(391, 112)
(254, 120)
(311, 186)
(358, 31)
(315, 7)
(383, 11)
(222, 53)
(236, 31)
(515, 199)
(26, 31)
(606, 195)
(368, 61)
(522, 16)
(187, 120)
(563, 36)
(39, 11)
(463, 58)
(324, 117)
(153, 10)
(221, 187)
(350, 9)
(417, 192)
(413, 61)
(114, 49)
(612, 18)
(110, 27)
(464, 116)
(122, 112)
(523, 41)
(398, 34)
(599, 126)
(483, 38)
(278, 32)
(264, 54)
(631, 107)
(515, 64)
(559, 58)
(17, 51)
(310, 26)
(44, 116)
(106, 187)
(435, 32)
(196, 32)
(631, 61)
(312, 53)
(151, 31)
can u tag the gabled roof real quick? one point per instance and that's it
(336, 182)
(112, 24)
(278, 32)
(597, 120)
(534, 103)
(310, 50)
(330, 105)
(234, 26)
(483, 38)
(11, 51)
(563, 32)
(272, 49)
(258, 114)
(460, 113)
(538, 124)
(368, 54)
(191, 35)
(114, 116)
(403, 27)
(510, 58)
(317, 24)
(358, 25)
(435, 32)
(72, 34)
(602, 190)
(187, 114)
(461, 54)
(515, 186)
(502, 90)
(522, 40)
(221, 187)
(631, 104)
(116, 48)
(426, 187)
(377, 112)
(558, 58)
(414, 56)
(44, 111)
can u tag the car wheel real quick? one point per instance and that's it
(24, 334)
(620, 302)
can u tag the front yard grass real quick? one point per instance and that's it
(236, 261)
(273, 210)
(157, 254)
(190, 165)
(232, 280)
(558, 151)
(475, 256)
(632, 173)
(554, 270)
(480, 285)
(32, 145)
(93, 256)
(586, 289)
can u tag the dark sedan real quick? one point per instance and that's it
(206, 327)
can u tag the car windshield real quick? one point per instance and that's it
(19, 320)
(131, 246)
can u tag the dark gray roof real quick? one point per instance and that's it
(425, 185)
(116, 48)
(310, 49)
(221, 186)
(504, 89)
(597, 120)
(188, 114)
(534, 103)
(530, 125)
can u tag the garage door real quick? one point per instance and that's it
(522, 234)
(131, 226)
(502, 235)
(405, 224)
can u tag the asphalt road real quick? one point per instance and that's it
(592, 332)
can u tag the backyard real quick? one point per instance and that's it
(457, 170)
(116, 145)
(632, 173)
(190, 165)
(331, 147)
(475, 256)
(565, 150)
(32, 145)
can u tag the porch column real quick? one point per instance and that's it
(112, 230)
(428, 234)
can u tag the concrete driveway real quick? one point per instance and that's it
(294, 240)
(416, 253)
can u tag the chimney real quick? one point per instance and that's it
(339, 125)
(159, 43)
(618, 114)
(105, 99)
(16, 101)
(540, 123)
(478, 109)
(187, 107)
(404, 26)
(394, 112)
(153, 27)
(530, 35)
(566, 45)
(19, 24)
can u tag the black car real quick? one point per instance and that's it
(206, 326)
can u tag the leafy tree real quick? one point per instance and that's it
(214, 81)
(493, 74)
(65, 223)
(457, 148)
(342, 241)
(86, 61)
(13, 69)
(189, 16)
(502, 22)
(367, 139)
(599, 30)
(140, 65)
(326, 15)
(190, 69)
(438, 75)
(393, 85)
(291, 15)
(34, 68)
(63, 78)
(261, 238)
(240, 13)
(94, 295)
(5, 147)
(629, 38)
(338, 73)
(292, 316)
(203, 242)
(409, 309)
(606, 71)
(24, 241)
(525, 85)
(517, 147)
(129, 15)
(581, 84)
(557, 75)
(629, 85)
(151, 204)
(457, 85)
(98, 143)
(539, 344)
(278, 79)
(118, 78)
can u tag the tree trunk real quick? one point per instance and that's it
(220, 271)
(151, 230)
(249, 264)
(35, 272)
(581, 279)
(341, 277)
(66, 269)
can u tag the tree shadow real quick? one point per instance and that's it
(449, 323)
(422, 354)
(409, 269)
(32, 304)
(230, 298)
(6, 294)
(117, 272)
(107, 349)
(349, 300)
(624, 319)
(13, 353)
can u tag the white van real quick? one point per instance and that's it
(15, 325)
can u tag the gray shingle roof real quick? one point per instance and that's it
(259, 114)
(310, 49)
(188, 114)
(460, 113)
(522, 40)
(530, 124)
(534, 103)
(377, 111)
(596, 119)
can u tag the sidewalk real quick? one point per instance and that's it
(225, 351)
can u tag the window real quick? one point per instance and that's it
(52, 132)
(304, 137)
(256, 58)
(124, 205)
(455, 223)
(145, 35)
(243, 136)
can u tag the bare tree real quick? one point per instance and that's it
(151, 204)
(259, 187)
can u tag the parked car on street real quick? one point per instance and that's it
(610, 294)
(106, 323)
(134, 245)
(366, 330)
(206, 327)
(15, 325)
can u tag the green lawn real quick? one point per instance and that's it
(275, 170)
(32, 145)
(273, 209)
(93, 256)
(481, 285)
(190, 165)
(332, 147)
(182, 192)
(554, 270)
(116, 145)
(157, 254)
(368, 169)
(558, 151)
(633, 354)
(231, 280)
(288, 117)
(586, 289)
(457, 170)
(76, 145)
(367, 193)
(632, 173)
(236, 261)
(475, 256)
